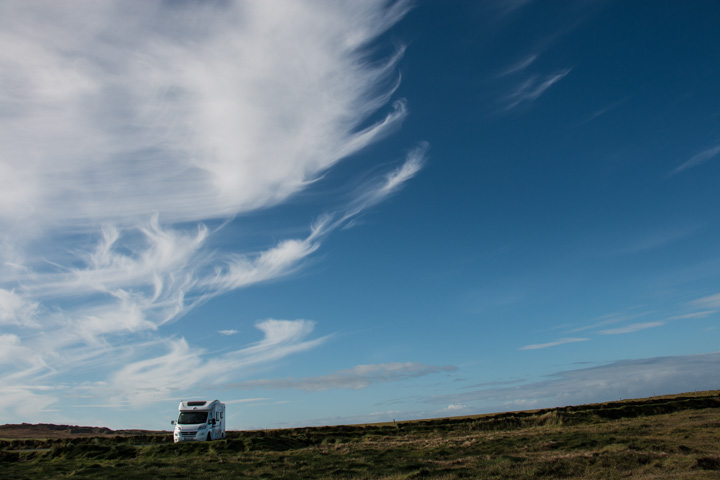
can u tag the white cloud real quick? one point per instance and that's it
(622, 379)
(656, 240)
(698, 159)
(27, 401)
(11, 350)
(710, 301)
(635, 327)
(194, 112)
(356, 378)
(379, 189)
(611, 319)
(692, 315)
(602, 111)
(533, 87)
(157, 377)
(228, 332)
(561, 341)
(183, 368)
(16, 310)
(131, 136)
(519, 66)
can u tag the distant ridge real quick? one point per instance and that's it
(49, 430)
(573, 414)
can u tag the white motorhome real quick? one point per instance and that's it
(200, 420)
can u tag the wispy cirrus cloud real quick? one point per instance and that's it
(632, 328)
(519, 66)
(132, 136)
(709, 301)
(655, 240)
(610, 319)
(532, 88)
(686, 316)
(698, 159)
(602, 111)
(528, 86)
(561, 341)
(702, 308)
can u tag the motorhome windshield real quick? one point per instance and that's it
(191, 418)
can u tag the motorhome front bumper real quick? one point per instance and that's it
(190, 436)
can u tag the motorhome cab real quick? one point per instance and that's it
(200, 420)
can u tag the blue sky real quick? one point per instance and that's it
(344, 212)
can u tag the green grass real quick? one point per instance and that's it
(671, 437)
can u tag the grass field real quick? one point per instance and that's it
(670, 437)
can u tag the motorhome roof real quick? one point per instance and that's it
(198, 405)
